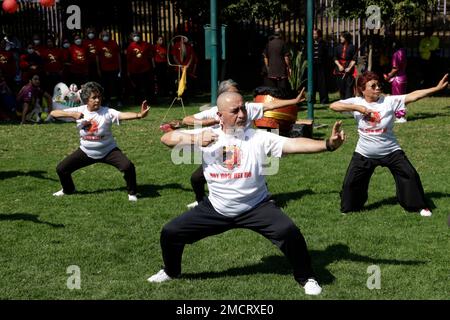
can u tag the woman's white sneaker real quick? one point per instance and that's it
(132, 197)
(161, 276)
(312, 287)
(425, 212)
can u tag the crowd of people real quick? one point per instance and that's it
(142, 70)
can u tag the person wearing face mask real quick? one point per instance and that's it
(91, 42)
(7, 63)
(30, 63)
(110, 68)
(79, 64)
(140, 65)
(160, 54)
(53, 64)
(65, 45)
(38, 47)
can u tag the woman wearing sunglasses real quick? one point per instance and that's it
(377, 145)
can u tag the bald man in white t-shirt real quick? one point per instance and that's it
(233, 161)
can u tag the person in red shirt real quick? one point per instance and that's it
(91, 42)
(79, 64)
(30, 97)
(30, 63)
(7, 63)
(160, 54)
(53, 65)
(140, 66)
(38, 47)
(110, 67)
(182, 54)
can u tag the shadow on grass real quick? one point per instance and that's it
(393, 200)
(15, 173)
(281, 199)
(422, 116)
(320, 260)
(144, 190)
(27, 217)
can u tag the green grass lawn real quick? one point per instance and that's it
(115, 243)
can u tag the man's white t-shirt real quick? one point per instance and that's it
(234, 168)
(96, 139)
(255, 111)
(376, 134)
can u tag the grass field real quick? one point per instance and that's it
(115, 243)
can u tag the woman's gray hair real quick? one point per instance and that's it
(88, 88)
(225, 85)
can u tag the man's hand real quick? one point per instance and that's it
(205, 138)
(144, 109)
(337, 137)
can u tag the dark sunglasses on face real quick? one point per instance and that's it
(375, 85)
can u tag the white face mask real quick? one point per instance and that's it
(36, 42)
(7, 47)
(136, 39)
(30, 51)
(78, 42)
(66, 45)
(91, 35)
(105, 38)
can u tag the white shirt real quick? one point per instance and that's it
(376, 135)
(255, 110)
(96, 139)
(233, 168)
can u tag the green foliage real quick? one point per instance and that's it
(299, 66)
(394, 11)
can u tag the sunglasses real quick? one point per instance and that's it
(375, 85)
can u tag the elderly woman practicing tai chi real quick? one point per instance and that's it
(378, 146)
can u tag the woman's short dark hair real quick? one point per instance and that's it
(363, 79)
(347, 36)
(88, 88)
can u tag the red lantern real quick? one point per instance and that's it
(10, 6)
(47, 3)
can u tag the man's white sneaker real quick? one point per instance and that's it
(132, 197)
(59, 193)
(161, 276)
(425, 212)
(312, 287)
(192, 205)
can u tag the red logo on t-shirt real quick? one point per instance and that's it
(373, 118)
(231, 157)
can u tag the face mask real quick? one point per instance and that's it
(105, 38)
(136, 39)
(66, 45)
(7, 47)
(78, 42)
(91, 35)
(36, 42)
(30, 51)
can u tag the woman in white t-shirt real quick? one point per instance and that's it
(378, 146)
(97, 143)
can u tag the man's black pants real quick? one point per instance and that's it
(204, 221)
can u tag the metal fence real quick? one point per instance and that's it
(246, 39)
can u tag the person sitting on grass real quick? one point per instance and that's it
(378, 146)
(255, 110)
(97, 143)
(233, 162)
(29, 100)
